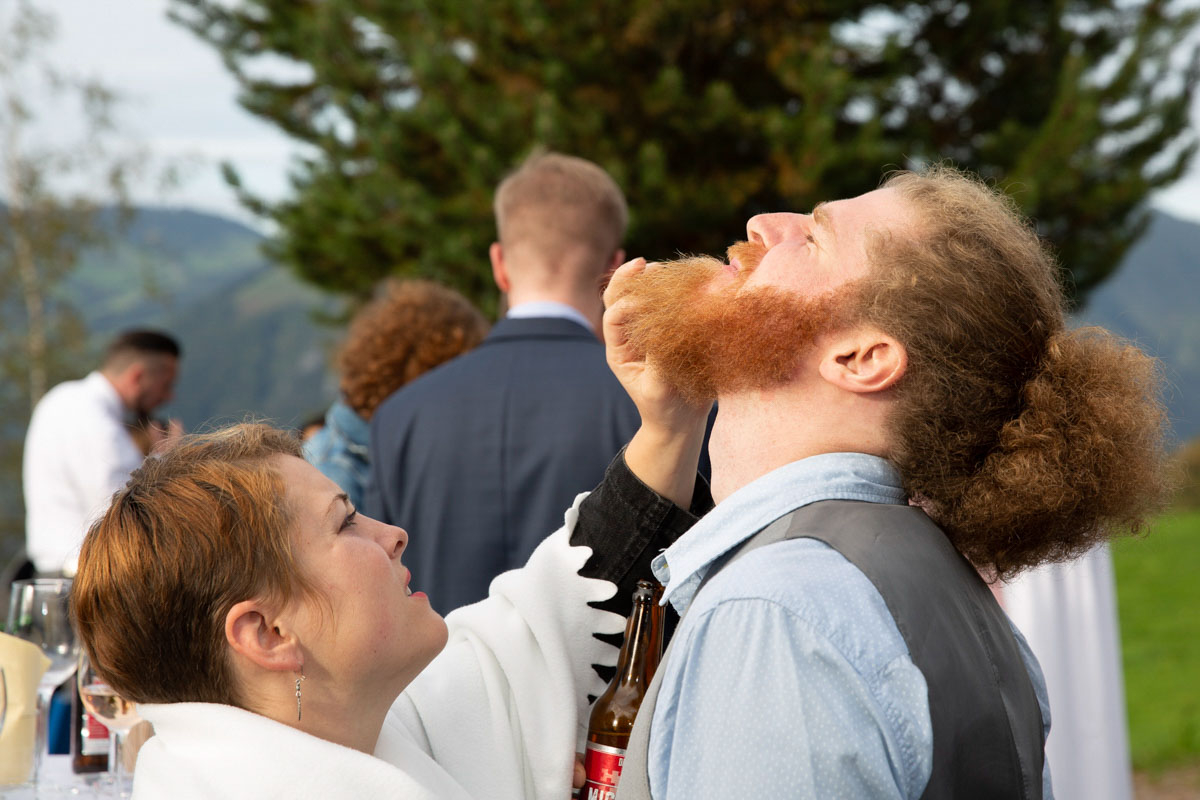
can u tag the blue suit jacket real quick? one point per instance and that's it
(479, 458)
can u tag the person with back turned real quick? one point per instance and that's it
(900, 406)
(487, 450)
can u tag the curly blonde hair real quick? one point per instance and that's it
(1026, 441)
(408, 329)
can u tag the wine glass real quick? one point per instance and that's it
(117, 714)
(38, 613)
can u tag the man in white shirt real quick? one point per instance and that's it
(78, 449)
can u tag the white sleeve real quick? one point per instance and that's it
(502, 706)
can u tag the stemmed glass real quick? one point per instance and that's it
(117, 714)
(39, 614)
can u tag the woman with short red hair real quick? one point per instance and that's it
(267, 629)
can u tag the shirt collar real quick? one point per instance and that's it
(104, 389)
(829, 476)
(549, 308)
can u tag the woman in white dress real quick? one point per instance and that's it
(1068, 614)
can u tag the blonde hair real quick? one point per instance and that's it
(566, 209)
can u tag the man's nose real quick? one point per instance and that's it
(771, 229)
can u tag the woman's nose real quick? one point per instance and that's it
(771, 229)
(392, 539)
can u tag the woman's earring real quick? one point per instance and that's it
(301, 678)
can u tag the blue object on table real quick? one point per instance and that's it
(58, 734)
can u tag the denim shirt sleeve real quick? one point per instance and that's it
(627, 524)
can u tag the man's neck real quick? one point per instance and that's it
(758, 432)
(121, 388)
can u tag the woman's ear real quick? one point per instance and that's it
(864, 360)
(255, 633)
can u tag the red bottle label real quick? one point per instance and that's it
(603, 767)
(93, 737)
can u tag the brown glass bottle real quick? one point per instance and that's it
(89, 739)
(614, 712)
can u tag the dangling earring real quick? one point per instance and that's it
(301, 678)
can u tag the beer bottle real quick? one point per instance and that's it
(89, 738)
(613, 714)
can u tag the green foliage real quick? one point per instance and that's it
(704, 111)
(1157, 598)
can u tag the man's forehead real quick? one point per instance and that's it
(878, 209)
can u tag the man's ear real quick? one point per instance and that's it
(135, 374)
(617, 260)
(863, 360)
(499, 268)
(254, 633)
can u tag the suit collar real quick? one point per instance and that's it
(539, 328)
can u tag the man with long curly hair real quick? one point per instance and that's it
(901, 407)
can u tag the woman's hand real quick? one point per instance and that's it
(666, 448)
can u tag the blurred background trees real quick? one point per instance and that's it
(705, 111)
(63, 183)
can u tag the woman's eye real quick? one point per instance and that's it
(350, 520)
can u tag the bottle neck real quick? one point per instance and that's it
(640, 654)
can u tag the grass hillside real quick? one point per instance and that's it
(164, 260)
(1158, 598)
(251, 342)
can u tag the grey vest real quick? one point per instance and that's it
(987, 725)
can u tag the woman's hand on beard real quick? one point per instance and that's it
(665, 450)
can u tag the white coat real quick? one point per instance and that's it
(498, 714)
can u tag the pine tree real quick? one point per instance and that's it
(705, 112)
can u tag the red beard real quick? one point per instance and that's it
(729, 339)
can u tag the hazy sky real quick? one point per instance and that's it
(182, 102)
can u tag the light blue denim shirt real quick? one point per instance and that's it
(789, 678)
(340, 451)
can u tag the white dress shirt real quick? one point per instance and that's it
(78, 452)
(549, 308)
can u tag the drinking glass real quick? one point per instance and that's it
(38, 614)
(117, 714)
